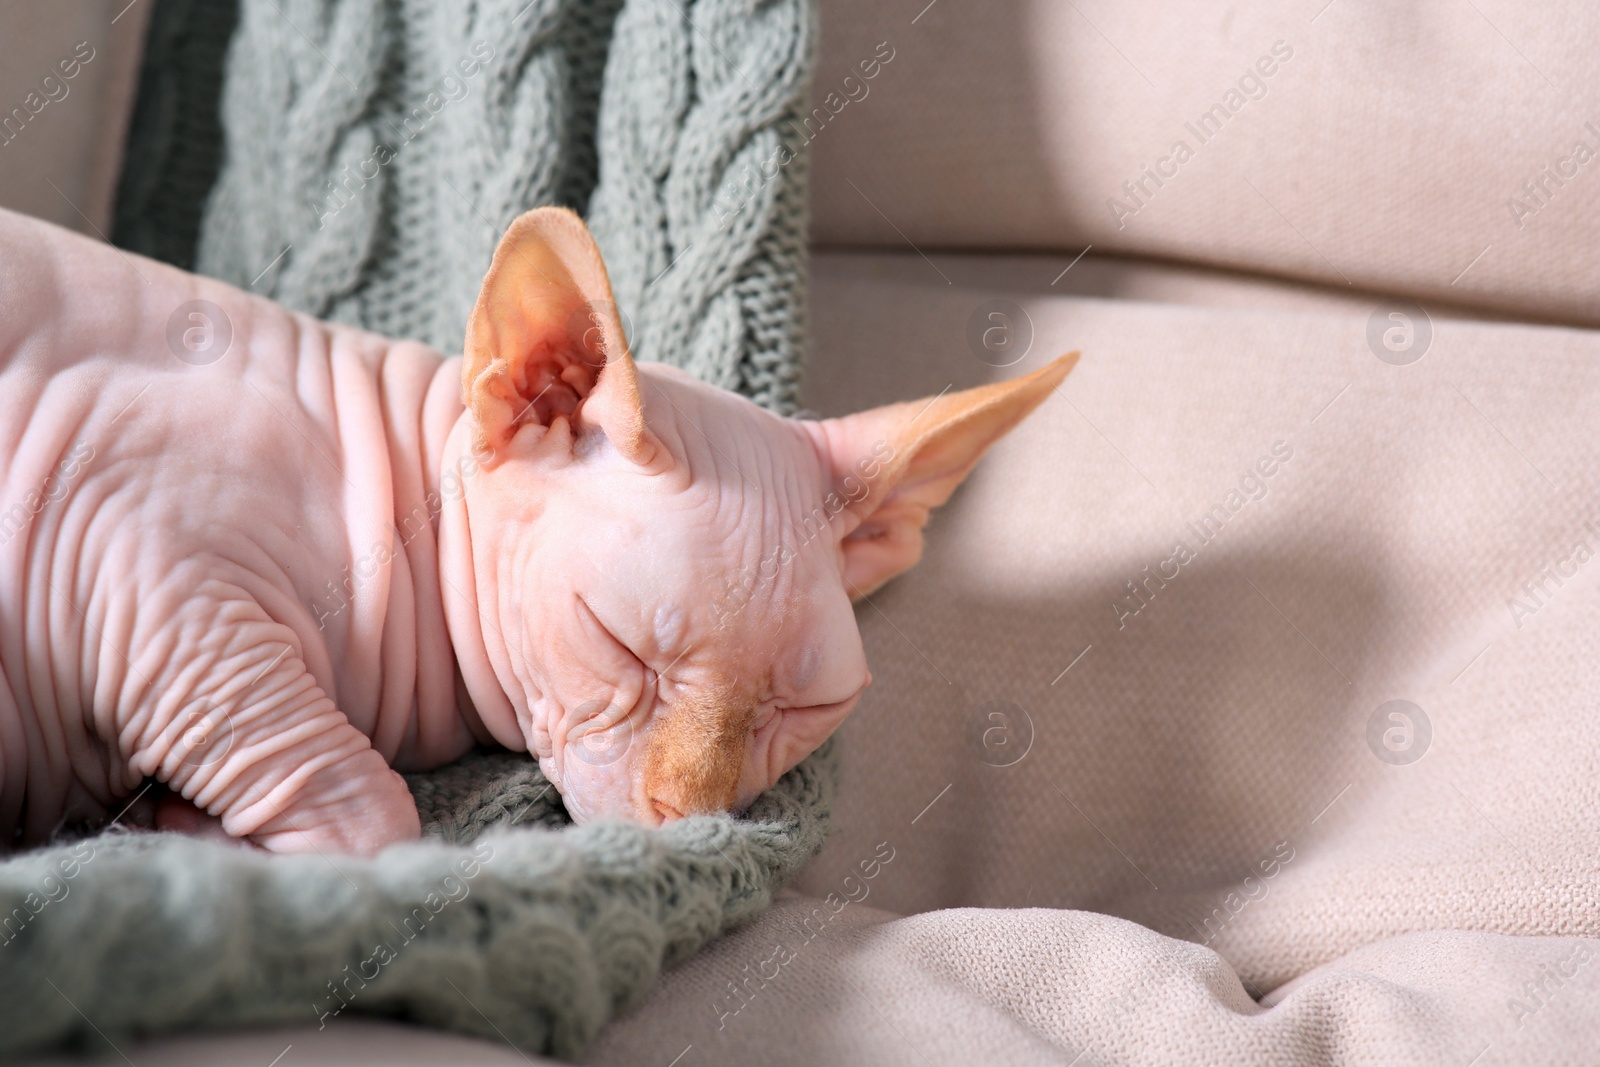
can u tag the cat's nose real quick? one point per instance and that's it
(666, 810)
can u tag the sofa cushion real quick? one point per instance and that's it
(1442, 149)
(1147, 664)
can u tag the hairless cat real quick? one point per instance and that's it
(273, 570)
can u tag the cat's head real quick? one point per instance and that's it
(661, 572)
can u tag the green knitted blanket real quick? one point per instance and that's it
(362, 161)
(508, 924)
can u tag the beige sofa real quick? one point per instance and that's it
(1244, 708)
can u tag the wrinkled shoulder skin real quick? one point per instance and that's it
(199, 578)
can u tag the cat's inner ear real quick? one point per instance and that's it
(545, 346)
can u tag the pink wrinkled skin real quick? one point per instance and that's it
(273, 576)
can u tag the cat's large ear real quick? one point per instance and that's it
(545, 346)
(891, 466)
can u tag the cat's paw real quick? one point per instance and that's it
(358, 806)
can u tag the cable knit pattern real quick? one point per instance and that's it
(700, 210)
(375, 150)
(260, 230)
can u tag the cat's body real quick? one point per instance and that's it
(264, 560)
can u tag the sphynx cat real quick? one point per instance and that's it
(266, 560)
